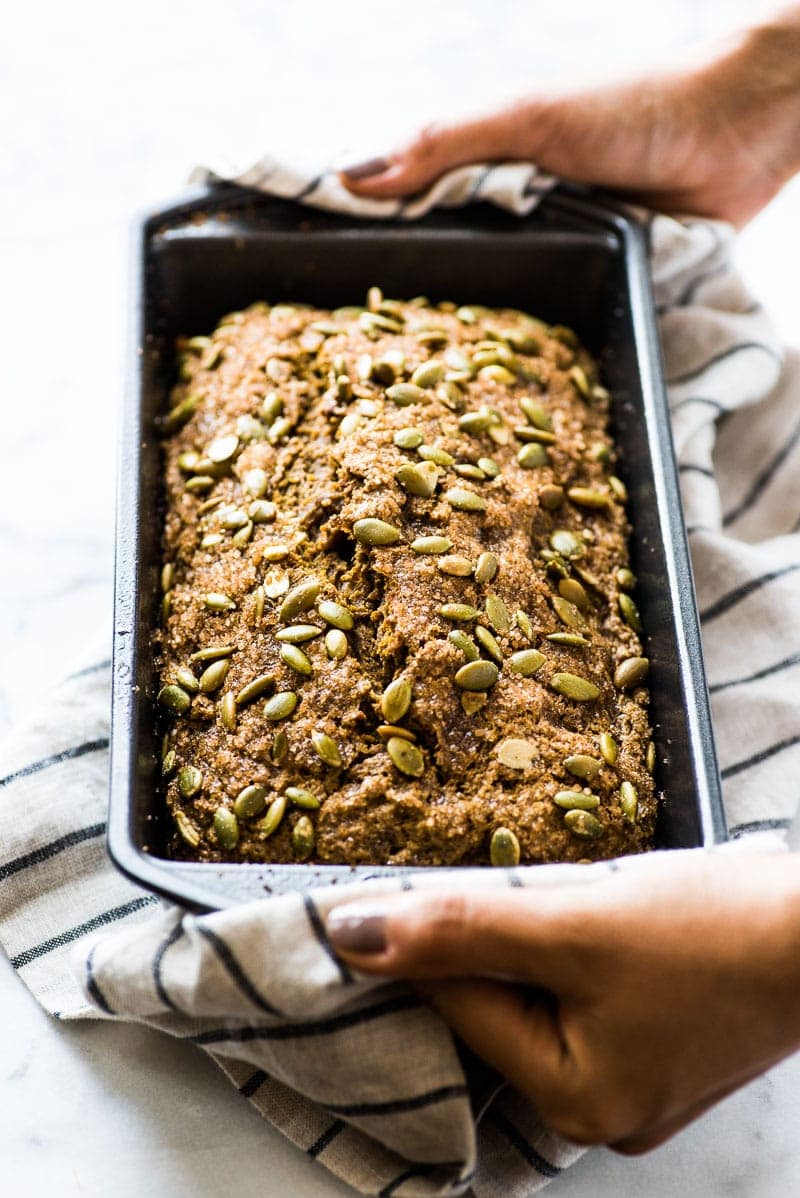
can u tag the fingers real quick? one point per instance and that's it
(439, 148)
(534, 938)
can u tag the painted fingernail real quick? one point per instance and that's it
(357, 932)
(365, 170)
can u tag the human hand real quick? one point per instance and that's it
(718, 137)
(627, 1005)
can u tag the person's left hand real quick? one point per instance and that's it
(627, 1005)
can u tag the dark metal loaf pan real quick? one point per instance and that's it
(574, 261)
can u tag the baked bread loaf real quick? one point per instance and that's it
(397, 615)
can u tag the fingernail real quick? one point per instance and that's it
(357, 932)
(364, 170)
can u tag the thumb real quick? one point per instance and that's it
(440, 147)
(518, 935)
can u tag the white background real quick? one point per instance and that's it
(105, 108)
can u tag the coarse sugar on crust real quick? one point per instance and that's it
(333, 481)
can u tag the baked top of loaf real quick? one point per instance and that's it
(397, 622)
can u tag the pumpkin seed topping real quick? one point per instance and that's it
(335, 614)
(489, 644)
(574, 687)
(433, 453)
(581, 765)
(551, 496)
(396, 700)
(269, 825)
(465, 501)
(336, 644)
(516, 753)
(406, 757)
(254, 689)
(567, 543)
(526, 661)
(302, 798)
(214, 675)
(408, 438)
(250, 802)
(404, 394)
(568, 638)
(626, 579)
(630, 612)
(629, 801)
(486, 567)
(631, 673)
(650, 758)
(464, 643)
(294, 657)
(226, 829)
(327, 749)
(431, 545)
(583, 824)
(185, 678)
(300, 599)
(477, 675)
(222, 449)
(227, 711)
(213, 652)
(531, 456)
(459, 567)
(190, 781)
(504, 850)
(608, 748)
(216, 601)
(574, 593)
(576, 800)
(497, 613)
(523, 622)
(297, 634)
(420, 480)
(458, 611)
(588, 497)
(303, 838)
(568, 613)
(374, 532)
(188, 833)
(174, 699)
(428, 374)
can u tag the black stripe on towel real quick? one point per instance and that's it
(406, 1175)
(235, 970)
(308, 188)
(726, 602)
(483, 175)
(313, 1027)
(764, 478)
(758, 825)
(254, 1083)
(397, 1106)
(722, 356)
(45, 851)
(95, 669)
(163, 948)
(92, 987)
(690, 468)
(740, 766)
(523, 1147)
(318, 928)
(98, 921)
(327, 1137)
(89, 746)
(775, 669)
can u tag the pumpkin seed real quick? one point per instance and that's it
(496, 373)
(190, 780)
(374, 532)
(344, 387)
(188, 833)
(275, 553)
(477, 675)
(467, 470)
(185, 678)
(279, 747)
(536, 415)
(465, 501)
(327, 749)
(432, 453)
(532, 456)
(504, 850)
(568, 638)
(574, 687)
(259, 596)
(167, 576)
(587, 497)
(497, 613)
(500, 434)
(298, 634)
(583, 824)
(406, 757)
(405, 394)
(188, 461)
(600, 452)
(573, 592)
(524, 624)
(626, 579)
(280, 706)
(261, 511)
(302, 798)
(279, 429)
(631, 672)
(180, 414)
(629, 801)
(250, 802)
(271, 407)
(578, 376)
(335, 644)
(650, 758)
(428, 374)
(396, 700)
(618, 487)
(227, 711)
(458, 611)
(216, 601)
(539, 436)
(241, 537)
(168, 762)
(254, 689)
(576, 800)
(608, 748)
(335, 614)
(516, 753)
(567, 543)
(489, 644)
(222, 449)
(472, 701)
(464, 643)
(458, 567)
(476, 422)
(174, 699)
(568, 613)
(489, 467)
(583, 766)
(485, 567)
(466, 315)
(213, 652)
(303, 838)
(296, 659)
(387, 731)
(420, 480)
(269, 825)
(299, 599)
(526, 661)
(226, 828)
(408, 438)
(383, 372)
(551, 496)
(630, 612)
(214, 675)
(211, 539)
(431, 545)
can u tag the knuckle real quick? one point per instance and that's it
(444, 923)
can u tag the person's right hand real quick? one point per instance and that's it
(718, 138)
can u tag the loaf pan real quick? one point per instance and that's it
(575, 261)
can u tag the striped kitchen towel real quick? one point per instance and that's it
(358, 1073)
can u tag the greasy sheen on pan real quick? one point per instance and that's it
(399, 623)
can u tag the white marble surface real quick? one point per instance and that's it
(106, 108)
